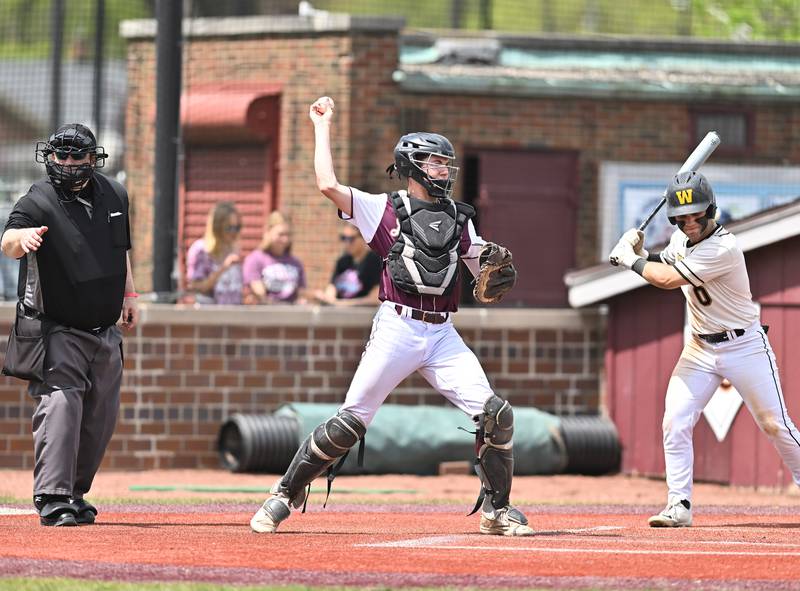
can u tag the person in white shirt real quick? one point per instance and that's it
(727, 339)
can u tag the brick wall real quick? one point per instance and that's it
(188, 369)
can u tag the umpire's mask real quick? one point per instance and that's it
(71, 156)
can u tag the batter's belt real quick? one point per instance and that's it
(726, 335)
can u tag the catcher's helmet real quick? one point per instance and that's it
(74, 140)
(413, 150)
(690, 192)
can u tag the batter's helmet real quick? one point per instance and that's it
(74, 140)
(690, 192)
(413, 150)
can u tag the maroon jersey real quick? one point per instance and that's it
(375, 217)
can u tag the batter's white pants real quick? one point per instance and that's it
(748, 362)
(397, 347)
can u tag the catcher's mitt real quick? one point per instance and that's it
(497, 274)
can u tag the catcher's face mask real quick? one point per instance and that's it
(428, 158)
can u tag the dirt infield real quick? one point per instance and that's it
(406, 532)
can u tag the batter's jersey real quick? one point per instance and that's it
(377, 221)
(718, 293)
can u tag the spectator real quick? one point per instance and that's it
(357, 274)
(271, 273)
(213, 269)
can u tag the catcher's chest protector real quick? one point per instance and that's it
(424, 257)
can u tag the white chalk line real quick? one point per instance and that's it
(12, 511)
(455, 542)
(435, 540)
(606, 551)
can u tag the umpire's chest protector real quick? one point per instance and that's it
(424, 258)
(87, 249)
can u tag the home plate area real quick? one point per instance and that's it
(401, 546)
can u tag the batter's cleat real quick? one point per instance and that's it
(508, 521)
(677, 513)
(274, 510)
(86, 512)
(55, 510)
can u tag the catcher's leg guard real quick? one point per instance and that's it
(495, 468)
(330, 441)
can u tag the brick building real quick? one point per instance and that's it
(534, 120)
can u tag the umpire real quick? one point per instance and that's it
(71, 235)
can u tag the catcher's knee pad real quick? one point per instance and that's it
(494, 448)
(329, 441)
(334, 437)
(497, 422)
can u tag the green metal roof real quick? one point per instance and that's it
(656, 75)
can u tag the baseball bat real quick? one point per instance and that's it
(695, 160)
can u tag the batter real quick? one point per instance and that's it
(727, 341)
(420, 233)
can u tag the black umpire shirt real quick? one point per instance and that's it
(78, 274)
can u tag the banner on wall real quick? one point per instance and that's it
(629, 191)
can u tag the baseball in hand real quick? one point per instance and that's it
(323, 104)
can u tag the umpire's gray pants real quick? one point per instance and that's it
(77, 409)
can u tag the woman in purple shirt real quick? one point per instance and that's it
(421, 234)
(213, 263)
(271, 274)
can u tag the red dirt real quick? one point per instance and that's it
(592, 533)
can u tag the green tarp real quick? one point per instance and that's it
(416, 439)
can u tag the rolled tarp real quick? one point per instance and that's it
(401, 440)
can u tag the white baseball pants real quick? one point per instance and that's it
(397, 347)
(748, 362)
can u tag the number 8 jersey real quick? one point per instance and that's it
(718, 292)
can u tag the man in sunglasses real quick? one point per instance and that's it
(422, 234)
(71, 235)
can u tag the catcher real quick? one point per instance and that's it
(420, 233)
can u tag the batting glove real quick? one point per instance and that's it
(635, 238)
(623, 254)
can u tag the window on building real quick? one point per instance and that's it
(734, 128)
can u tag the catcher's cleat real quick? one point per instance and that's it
(677, 513)
(508, 521)
(274, 510)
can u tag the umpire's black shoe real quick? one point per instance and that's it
(55, 510)
(86, 512)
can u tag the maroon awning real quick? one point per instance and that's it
(230, 112)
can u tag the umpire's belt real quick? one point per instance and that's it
(33, 313)
(721, 337)
(432, 317)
